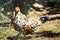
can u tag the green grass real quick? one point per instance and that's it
(26, 11)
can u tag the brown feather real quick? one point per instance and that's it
(28, 29)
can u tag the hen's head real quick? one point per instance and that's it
(17, 9)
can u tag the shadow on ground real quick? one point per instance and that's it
(47, 34)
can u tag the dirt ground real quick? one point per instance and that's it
(47, 31)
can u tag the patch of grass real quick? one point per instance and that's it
(26, 11)
(53, 29)
(13, 31)
(1, 35)
(58, 28)
(2, 17)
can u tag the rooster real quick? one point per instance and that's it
(21, 20)
(25, 23)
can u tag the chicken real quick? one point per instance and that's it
(25, 23)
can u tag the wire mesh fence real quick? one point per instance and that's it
(6, 4)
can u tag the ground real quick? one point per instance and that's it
(42, 32)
